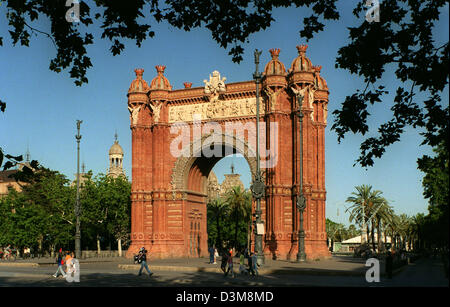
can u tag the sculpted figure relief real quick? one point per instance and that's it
(156, 109)
(311, 100)
(272, 95)
(298, 93)
(134, 113)
(215, 84)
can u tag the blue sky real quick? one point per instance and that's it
(43, 106)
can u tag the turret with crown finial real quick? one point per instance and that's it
(160, 86)
(137, 93)
(274, 71)
(301, 70)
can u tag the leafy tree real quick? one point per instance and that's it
(436, 183)
(115, 193)
(401, 41)
(41, 214)
(106, 207)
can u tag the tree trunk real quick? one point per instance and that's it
(367, 233)
(52, 251)
(40, 245)
(119, 247)
(380, 247)
(98, 245)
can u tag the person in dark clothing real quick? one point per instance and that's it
(389, 264)
(142, 259)
(250, 265)
(223, 264)
(211, 254)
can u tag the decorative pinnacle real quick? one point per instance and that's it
(139, 72)
(302, 49)
(160, 69)
(317, 68)
(187, 84)
(274, 52)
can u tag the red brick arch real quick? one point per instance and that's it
(169, 191)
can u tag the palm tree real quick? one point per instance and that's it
(240, 206)
(402, 229)
(383, 217)
(217, 209)
(365, 202)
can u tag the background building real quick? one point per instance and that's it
(116, 160)
(215, 189)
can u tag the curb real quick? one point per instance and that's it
(37, 264)
(20, 264)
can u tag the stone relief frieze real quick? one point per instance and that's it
(215, 110)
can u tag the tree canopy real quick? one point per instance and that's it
(42, 215)
(402, 40)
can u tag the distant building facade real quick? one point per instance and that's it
(215, 189)
(7, 180)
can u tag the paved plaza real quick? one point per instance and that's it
(197, 272)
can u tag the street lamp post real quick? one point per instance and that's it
(301, 201)
(258, 185)
(77, 204)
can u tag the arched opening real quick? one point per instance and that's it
(209, 226)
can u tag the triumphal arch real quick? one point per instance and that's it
(179, 134)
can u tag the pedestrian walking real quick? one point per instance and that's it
(223, 264)
(8, 252)
(242, 268)
(216, 254)
(250, 265)
(60, 263)
(142, 259)
(211, 254)
(389, 264)
(230, 264)
(68, 260)
(254, 266)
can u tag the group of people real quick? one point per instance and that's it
(227, 263)
(64, 259)
(7, 252)
(10, 252)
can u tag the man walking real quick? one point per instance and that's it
(211, 255)
(142, 259)
(253, 263)
(223, 264)
(60, 262)
(230, 264)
